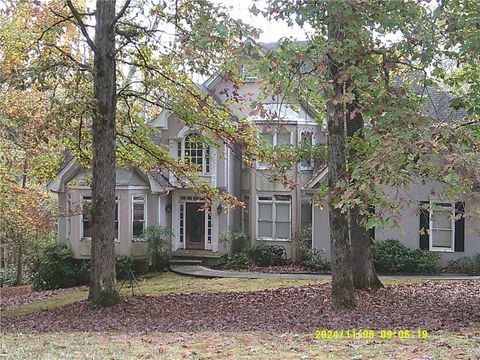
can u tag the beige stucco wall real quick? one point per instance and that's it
(409, 220)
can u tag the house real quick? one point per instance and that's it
(273, 212)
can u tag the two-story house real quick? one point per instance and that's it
(273, 212)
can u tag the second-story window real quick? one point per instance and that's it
(192, 150)
(273, 140)
(306, 142)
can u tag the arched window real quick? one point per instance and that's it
(191, 149)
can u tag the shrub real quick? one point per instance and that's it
(124, 267)
(266, 255)
(467, 265)
(54, 268)
(391, 256)
(426, 261)
(238, 261)
(8, 276)
(303, 240)
(315, 259)
(237, 241)
(158, 239)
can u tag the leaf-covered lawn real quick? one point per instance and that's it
(182, 317)
(20, 301)
(429, 305)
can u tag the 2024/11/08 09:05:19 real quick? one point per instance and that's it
(370, 334)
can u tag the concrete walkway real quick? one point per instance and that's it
(202, 271)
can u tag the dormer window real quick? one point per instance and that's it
(193, 151)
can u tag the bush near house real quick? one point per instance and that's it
(259, 255)
(391, 256)
(314, 259)
(467, 265)
(237, 241)
(54, 268)
(266, 255)
(238, 261)
(159, 239)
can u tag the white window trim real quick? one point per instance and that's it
(263, 166)
(431, 229)
(274, 217)
(68, 218)
(204, 152)
(145, 217)
(246, 214)
(312, 164)
(117, 201)
(82, 201)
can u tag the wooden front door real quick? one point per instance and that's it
(195, 226)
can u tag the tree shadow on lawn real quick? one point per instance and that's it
(430, 306)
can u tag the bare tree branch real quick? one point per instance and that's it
(81, 25)
(121, 12)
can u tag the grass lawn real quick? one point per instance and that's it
(160, 284)
(245, 345)
(208, 344)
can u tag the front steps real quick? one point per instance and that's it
(196, 257)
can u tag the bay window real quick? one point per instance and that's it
(86, 223)
(139, 212)
(86, 217)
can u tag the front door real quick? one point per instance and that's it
(195, 226)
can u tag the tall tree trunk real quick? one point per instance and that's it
(342, 282)
(103, 290)
(19, 277)
(364, 274)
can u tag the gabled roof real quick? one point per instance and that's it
(319, 176)
(157, 182)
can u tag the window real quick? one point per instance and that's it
(306, 143)
(306, 213)
(274, 217)
(249, 73)
(86, 217)
(272, 140)
(245, 215)
(69, 216)
(87, 220)
(192, 150)
(442, 226)
(116, 219)
(209, 225)
(182, 226)
(139, 211)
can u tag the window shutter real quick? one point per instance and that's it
(460, 227)
(424, 227)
